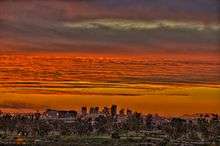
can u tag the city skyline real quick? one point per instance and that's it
(108, 126)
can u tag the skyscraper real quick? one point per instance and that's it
(106, 111)
(84, 110)
(96, 110)
(113, 110)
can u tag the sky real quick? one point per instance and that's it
(109, 26)
(153, 56)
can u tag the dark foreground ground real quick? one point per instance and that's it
(104, 140)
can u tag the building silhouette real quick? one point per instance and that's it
(114, 110)
(84, 110)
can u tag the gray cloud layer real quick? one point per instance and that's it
(91, 25)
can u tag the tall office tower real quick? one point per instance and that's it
(84, 110)
(114, 110)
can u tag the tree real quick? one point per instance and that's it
(101, 124)
(83, 126)
(178, 127)
(203, 125)
(149, 122)
(115, 135)
(135, 121)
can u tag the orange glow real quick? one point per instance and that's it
(161, 57)
(153, 83)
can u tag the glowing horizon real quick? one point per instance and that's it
(160, 57)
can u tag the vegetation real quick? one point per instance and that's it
(106, 130)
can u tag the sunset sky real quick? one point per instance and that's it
(153, 56)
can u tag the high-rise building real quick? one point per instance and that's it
(84, 110)
(106, 111)
(50, 113)
(129, 112)
(114, 110)
(91, 110)
(122, 112)
(96, 110)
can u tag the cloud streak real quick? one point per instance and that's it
(135, 25)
